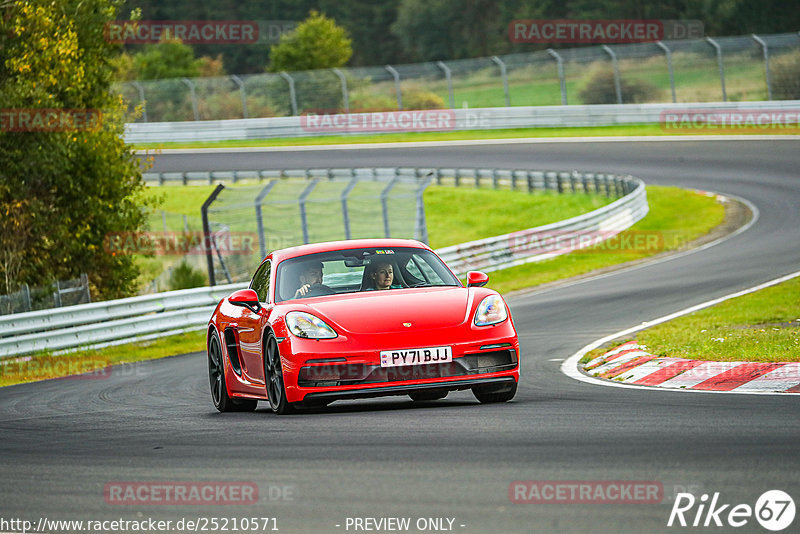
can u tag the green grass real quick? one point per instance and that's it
(761, 327)
(676, 218)
(459, 215)
(410, 137)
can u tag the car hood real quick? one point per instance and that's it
(387, 311)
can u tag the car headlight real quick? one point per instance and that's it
(308, 326)
(491, 310)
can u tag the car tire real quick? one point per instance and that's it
(488, 395)
(422, 396)
(273, 378)
(216, 378)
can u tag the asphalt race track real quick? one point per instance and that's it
(63, 441)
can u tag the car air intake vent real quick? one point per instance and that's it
(233, 350)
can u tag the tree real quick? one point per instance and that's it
(168, 59)
(68, 187)
(316, 43)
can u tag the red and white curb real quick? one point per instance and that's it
(631, 363)
(637, 369)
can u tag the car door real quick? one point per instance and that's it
(251, 325)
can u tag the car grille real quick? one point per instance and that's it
(356, 374)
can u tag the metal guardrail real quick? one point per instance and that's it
(452, 120)
(119, 321)
(111, 322)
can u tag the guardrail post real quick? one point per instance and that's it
(721, 65)
(219, 256)
(608, 186)
(292, 94)
(345, 95)
(212, 281)
(262, 239)
(448, 76)
(560, 183)
(765, 49)
(421, 227)
(615, 65)
(191, 86)
(668, 53)
(385, 204)
(345, 214)
(140, 90)
(397, 88)
(238, 81)
(562, 81)
(495, 184)
(504, 74)
(301, 201)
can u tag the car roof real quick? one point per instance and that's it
(313, 248)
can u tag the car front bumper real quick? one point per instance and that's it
(350, 368)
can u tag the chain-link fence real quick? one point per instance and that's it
(55, 295)
(294, 207)
(744, 68)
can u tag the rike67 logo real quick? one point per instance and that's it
(774, 510)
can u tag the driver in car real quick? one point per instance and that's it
(310, 277)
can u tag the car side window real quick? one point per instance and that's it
(260, 283)
(414, 271)
(430, 275)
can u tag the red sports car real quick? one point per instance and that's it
(357, 319)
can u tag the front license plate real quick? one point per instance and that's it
(426, 356)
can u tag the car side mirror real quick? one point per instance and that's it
(477, 279)
(246, 298)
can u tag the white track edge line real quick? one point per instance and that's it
(570, 365)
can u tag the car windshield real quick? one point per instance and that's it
(362, 269)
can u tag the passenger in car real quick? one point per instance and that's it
(382, 276)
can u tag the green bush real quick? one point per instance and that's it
(184, 276)
(599, 88)
(364, 102)
(418, 98)
(786, 77)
